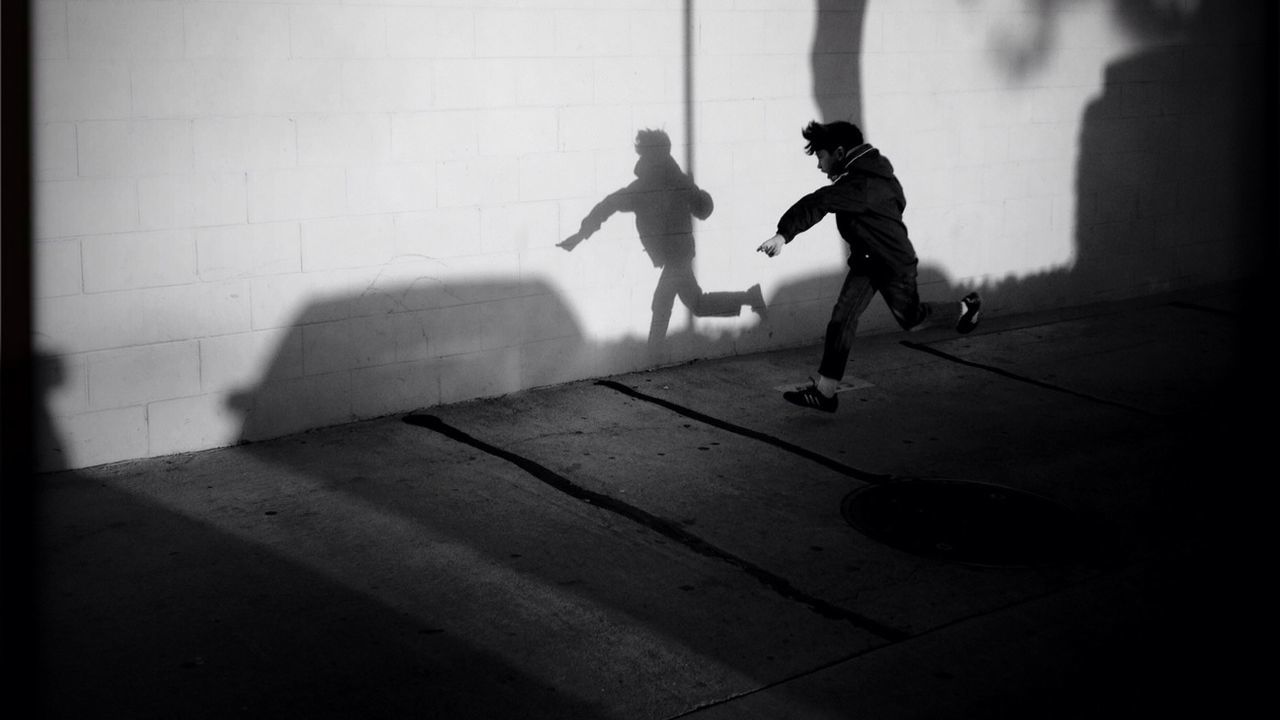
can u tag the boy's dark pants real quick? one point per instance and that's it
(898, 291)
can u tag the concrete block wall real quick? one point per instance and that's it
(254, 217)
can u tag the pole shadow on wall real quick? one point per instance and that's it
(665, 202)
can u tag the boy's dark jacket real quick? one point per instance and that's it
(868, 202)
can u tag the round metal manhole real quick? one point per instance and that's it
(965, 522)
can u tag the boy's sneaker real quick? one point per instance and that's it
(810, 397)
(972, 309)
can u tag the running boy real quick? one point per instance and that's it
(868, 201)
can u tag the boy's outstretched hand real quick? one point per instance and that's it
(772, 246)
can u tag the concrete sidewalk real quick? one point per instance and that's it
(678, 543)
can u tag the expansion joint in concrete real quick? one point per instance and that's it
(662, 526)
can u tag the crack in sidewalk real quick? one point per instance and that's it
(823, 460)
(662, 526)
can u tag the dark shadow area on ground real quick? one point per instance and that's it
(142, 612)
(147, 613)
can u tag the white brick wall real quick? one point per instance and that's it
(125, 261)
(236, 31)
(54, 155)
(77, 90)
(296, 193)
(192, 200)
(244, 143)
(345, 242)
(428, 32)
(65, 208)
(255, 217)
(118, 29)
(136, 375)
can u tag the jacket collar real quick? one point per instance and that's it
(850, 158)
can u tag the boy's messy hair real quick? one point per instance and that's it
(653, 141)
(830, 136)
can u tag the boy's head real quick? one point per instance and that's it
(830, 136)
(654, 149)
(831, 142)
(653, 141)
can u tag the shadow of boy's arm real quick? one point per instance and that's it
(614, 202)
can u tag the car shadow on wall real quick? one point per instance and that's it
(419, 344)
(397, 346)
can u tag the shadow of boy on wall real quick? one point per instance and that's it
(665, 200)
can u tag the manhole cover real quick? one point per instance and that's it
(965, 522)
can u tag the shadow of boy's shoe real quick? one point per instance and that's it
(755, 299)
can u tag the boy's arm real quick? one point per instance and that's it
(811, 208)
(808, 210)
